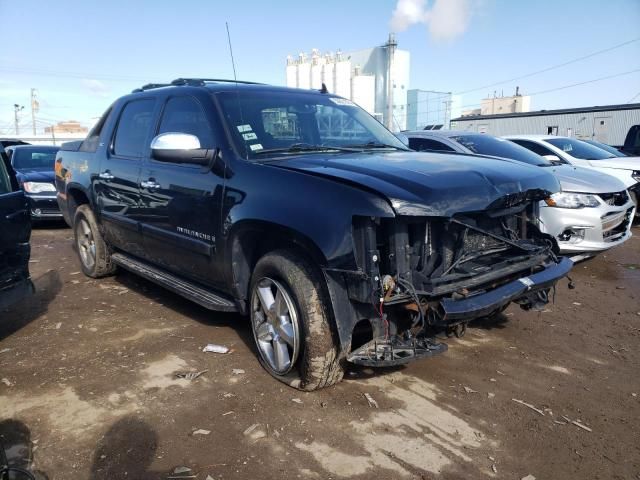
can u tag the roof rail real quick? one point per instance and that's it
(191, 82)
(201, 81)
(150, 86)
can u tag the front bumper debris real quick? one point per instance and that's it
(488, 302)
(381, 352)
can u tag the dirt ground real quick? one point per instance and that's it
(89, 389)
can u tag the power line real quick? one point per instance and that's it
(564, 64)
(49, 73)
(542, 92)
(634, 97)
(527, 75)
(584, 83)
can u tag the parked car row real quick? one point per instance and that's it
(595, 209)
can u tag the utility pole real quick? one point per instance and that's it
(35, 107)
(16, 109)
(391, 48)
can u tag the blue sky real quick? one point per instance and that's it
(81, 55)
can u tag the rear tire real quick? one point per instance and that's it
(94, 253)
(291, 323)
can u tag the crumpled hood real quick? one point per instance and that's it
(417, 183)
(585, 180)
(29, 175)
(623, 163)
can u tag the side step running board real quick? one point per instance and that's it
(182, 287)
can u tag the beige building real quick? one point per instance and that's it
(62, 128)
(501, 105)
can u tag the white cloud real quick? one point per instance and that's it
(445, 19)
(96, 87)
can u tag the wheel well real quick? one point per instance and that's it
(252, 244)
(75, 198)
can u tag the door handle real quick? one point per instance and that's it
(106, 175)
(15, 216)
(150, 184)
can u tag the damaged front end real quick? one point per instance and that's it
(422, 275)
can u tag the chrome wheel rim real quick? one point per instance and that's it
(275, 325)
(86, 244)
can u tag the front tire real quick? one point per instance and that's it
(95, 257)
(291, 323)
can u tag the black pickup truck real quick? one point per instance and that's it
(300, 210)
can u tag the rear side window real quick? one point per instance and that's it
(534, 147)
(133, 128)
(499, 147)
(428, 145)
(90, 144)
(185, 115)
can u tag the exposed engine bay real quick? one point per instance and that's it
(428, 275)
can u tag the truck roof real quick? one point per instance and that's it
(216, 84)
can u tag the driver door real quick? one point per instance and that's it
(15, 230)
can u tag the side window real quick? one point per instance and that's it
(5, 184)
(534, 147)
(185, 115)
(133, 128)
(90, 144)
(428, 145)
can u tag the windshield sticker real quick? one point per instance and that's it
(342, 101)
(255, 147)
(249, 136)
(244, 128)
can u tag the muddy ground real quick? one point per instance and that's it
(89, 390)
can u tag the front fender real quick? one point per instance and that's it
(312, 207)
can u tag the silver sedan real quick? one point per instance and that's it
(587, 222)
(592, 213)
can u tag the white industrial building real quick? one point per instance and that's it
(370, 78)
(607, 124)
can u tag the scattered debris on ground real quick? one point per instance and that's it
(211, 347)
(190, 375)
(528, 405)
(372, 403)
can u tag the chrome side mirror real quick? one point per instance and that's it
(175, 141)
(175, 147)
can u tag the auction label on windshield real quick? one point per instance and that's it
(255, 147)
(249, 136)
(244, 128)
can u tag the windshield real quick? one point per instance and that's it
(273, 124)
(34, 158)
(579, 149)
(607, 148)
(499, 147)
